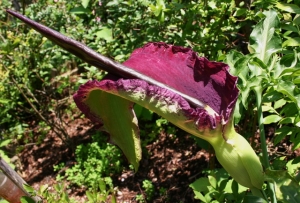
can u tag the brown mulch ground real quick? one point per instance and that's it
(171, 162)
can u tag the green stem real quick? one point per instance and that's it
(265, 159)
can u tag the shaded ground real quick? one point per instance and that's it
(170, 162)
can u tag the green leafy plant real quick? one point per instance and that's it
(218, 187)
(58, 195)
(148, 192)
(149, 189)
(102, 193)
(273, 80)
(94, 161)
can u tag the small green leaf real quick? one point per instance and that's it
(4, 101)
(79, 10)
(292, 8)
(28, 188)
(297, 19)
(240, 12)
(5, 142)
(290, 27)
(269, 109)
(289, 60)
(85, 3)
(89, 196)
(282, 133)
(200, 185)
(287, 120)
(253, 199)
(271, 96)
(287, 88)
(105, 33)
(102, 185)
(198, 195)
(213, 182)
(272, 119)
(26, 199)
(287, 189)
(279, 103)
(292, 42)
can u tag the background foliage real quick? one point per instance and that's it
(38, 78)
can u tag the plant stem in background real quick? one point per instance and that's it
(265, 159)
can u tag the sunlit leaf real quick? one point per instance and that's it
(105, 33)
(79, 10)
(26, 199)
(282, 133)
(287, 88)
(279, 103)
(272, 119)
(293, 41)
(85, 3)
(287, 189)
(291, 8)
(264, 41)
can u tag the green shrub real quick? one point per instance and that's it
(94, 161)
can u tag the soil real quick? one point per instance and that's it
(171, 162)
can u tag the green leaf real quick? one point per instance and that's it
(292, 42)
(4, 142)
(289, 27)
(200, 185)
(198, 195)
(213, 182)
(287, 120)
(289, 60)
(264, 41)
(85, 3)
(102, 185)
(292, 8)
(295, 138)
(79, 10)
(28, 188)
(240, 12)
(287, 88)
(272, 119)
(231, 58)
(26, 199)
(269, 109)
(105, 33)
(287, 189)
(282, 133)
(279, 103)
(271, 96)
(296, 20)
(89, 196)
(4, 101)
(253, 199)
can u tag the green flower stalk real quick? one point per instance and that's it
(193, 93)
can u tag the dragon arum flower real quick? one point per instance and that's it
(110, 101)
(193, 93)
